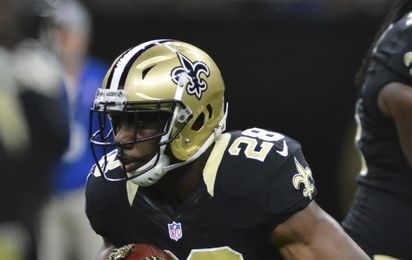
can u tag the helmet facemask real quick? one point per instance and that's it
(168, 117)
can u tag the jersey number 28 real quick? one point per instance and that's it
(250, 139)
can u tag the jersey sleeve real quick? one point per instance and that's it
(292, 187)
(96, 201)
(107, 206)
(252, 189)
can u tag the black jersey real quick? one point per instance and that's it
(380, 217)
(252, 181)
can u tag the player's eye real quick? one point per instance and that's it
(142, 120)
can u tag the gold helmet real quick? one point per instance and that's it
(167, 76)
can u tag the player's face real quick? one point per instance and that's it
(137, 137)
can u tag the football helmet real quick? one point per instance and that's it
(176, 80)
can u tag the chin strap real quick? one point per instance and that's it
(152, 171)
(154, 174)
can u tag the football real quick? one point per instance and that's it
(139, 252)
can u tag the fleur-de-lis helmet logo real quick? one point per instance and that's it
(189, 75)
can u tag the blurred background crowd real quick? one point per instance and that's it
(288, 65)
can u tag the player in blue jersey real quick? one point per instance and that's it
(64, 229)
(174, 178)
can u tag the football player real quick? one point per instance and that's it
(172, 177)
(380, 217)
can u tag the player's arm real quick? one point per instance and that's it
(105, 250)
(395, 102)
(312, 234)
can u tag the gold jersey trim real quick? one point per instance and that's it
(131, 189)
(212, 164)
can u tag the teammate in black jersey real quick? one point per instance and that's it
(172, 177)
(380, 217)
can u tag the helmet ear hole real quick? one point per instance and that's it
(199, 122)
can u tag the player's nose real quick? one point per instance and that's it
(125, 133)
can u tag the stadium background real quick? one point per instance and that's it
(288, 66)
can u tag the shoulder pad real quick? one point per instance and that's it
(106, 164)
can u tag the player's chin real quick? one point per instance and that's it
(130, 167)
(130, 164)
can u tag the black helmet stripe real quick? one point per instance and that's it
(119, 73)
